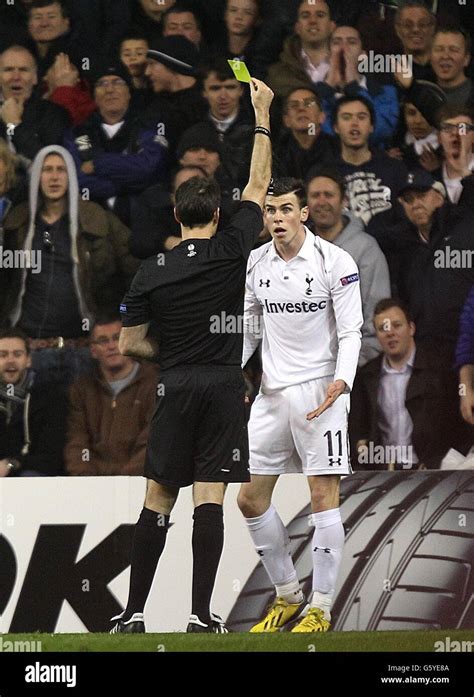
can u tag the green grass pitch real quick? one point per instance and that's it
(408, 641)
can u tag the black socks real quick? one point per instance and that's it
(208, 542)
(148, 544)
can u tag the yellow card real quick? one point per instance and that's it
(240, 70)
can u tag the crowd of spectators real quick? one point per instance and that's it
(107, 106)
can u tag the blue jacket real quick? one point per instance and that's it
(384, 99)
(134, 159)
(465, 345)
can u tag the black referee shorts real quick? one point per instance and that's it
(198, 432)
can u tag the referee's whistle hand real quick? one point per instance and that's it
(335, 389)
(262, 96)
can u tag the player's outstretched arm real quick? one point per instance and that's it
(135, 342)
(261, 164)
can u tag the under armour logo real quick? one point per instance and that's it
(191, 252)
(335, 461)
(264, 283)
(309, 282)
(260, 552)
(411, 178)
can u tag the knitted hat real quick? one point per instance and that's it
(118, 70)
(198, 136)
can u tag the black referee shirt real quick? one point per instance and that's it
(196, 297)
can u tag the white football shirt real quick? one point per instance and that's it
(311, 310)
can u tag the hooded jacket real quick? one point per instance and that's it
(102, 263)
(374, 279)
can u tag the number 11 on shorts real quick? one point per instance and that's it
(334, 460)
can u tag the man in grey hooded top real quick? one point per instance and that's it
(70, 261)
(326, 201)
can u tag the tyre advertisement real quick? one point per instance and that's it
(407, 561)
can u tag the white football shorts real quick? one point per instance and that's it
(282, 441)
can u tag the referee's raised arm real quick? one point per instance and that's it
(261, 164)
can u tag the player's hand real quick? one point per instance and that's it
(262, 97)
(335, 389)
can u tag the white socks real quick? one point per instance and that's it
(271, 541)
(328, 541)
(291, 592)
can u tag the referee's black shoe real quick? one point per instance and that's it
(135, 625)
(216, 626)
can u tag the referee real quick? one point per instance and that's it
(198, 432)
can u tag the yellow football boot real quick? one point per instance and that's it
(280, 613)
(313, 622)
